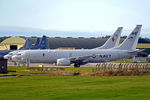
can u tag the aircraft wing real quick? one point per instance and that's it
(80, 58)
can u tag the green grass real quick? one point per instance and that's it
(123, 61)
(143, 45)
(129, 61)
(73, 87)
(21, 70)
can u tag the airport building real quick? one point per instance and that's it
(12, 43)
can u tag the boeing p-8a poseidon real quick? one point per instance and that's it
(81, 57)
(113, 41)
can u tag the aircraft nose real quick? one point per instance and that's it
(6, 57)
(16, 58)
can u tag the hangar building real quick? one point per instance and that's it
(12, 43)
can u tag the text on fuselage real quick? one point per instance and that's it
(102, 56)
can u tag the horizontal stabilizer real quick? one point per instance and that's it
(137, 50)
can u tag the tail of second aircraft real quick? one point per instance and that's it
(36, 46)
(28, 45)
(131, 41)
(44, 43)
(113, 40)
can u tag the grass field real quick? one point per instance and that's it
(43, 87)
(75, 88)
(143, 45)
(128, 61)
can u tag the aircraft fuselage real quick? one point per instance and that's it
(51, 56)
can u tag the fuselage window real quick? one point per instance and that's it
(43, 54)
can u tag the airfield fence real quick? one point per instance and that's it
(101, 69)
(121, 69)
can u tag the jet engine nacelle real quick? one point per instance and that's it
(63, 62)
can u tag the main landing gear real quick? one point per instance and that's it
(76, 65)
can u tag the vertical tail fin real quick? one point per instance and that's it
(131, 41)
(44, 43)
(36, 46)
(113, 40)
(27, 45)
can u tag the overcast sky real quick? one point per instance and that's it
(92, 15)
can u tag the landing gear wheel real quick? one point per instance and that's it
(76, 65)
